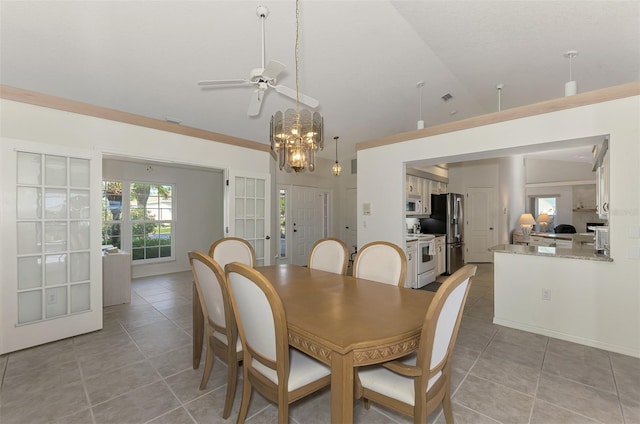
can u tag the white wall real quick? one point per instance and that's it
(512, 194)
(549, 171)
(199, 207)
(21, 121)
(619, 316)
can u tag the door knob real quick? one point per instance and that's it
(295, 231)
(491, 228)
(268, 237)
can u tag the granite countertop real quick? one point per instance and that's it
(586, 252)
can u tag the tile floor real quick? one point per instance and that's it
(138, 370)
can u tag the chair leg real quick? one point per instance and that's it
(283, 412)
(366, 403)
(246, 398)
(446, 406)
(208, 366)
(232, 382)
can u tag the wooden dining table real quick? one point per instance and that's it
(342, 321)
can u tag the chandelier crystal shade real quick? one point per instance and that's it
(297, 135)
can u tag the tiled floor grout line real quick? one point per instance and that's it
(535, 392)
(615, 384)
(469, 372)
(82, 379)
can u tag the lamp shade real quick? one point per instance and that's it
(526, 219)
(543, 217)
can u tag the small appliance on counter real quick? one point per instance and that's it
(601, 241)
(447, 218)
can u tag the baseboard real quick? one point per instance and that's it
(567, 337)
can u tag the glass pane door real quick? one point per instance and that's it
(249, 213)
(53, 233)
(51, 268)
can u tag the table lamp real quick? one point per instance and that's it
(543, 220)
(526, 222)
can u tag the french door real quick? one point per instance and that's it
(51, 249)
(248, 213)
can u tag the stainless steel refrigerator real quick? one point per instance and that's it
(447, 218)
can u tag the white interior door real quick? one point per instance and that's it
(307, 221)
(249, 217)
(480, 224)
(51, 249)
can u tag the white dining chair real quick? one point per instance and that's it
(329, 254)
(281, 374)
(381, 261)
(220, 324)
(232, 249)
(418, 383)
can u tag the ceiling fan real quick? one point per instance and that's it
(263, 78)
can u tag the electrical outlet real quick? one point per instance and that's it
(546, 294)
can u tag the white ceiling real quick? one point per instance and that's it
(360, 59)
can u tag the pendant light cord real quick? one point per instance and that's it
(296, 55)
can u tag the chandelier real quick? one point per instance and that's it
(296, 135)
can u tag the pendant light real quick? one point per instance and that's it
(419, 86)
(336, 168)
(499, 87)
(571, 87)
(296, 135)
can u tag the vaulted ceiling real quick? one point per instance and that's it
(360, 59)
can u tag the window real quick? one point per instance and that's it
(545, 204)
(112, 213)
(145, 213)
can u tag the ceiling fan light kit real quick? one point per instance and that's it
(297, 135)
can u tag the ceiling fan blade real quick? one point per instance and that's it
(256, 102)
(223, 82)
(309, 101)
(273, 69)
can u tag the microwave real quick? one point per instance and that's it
(413, 205)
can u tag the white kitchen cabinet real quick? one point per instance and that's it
(412, 263)
(601, 167)
(412, 185)
(441, 258)
(426, 196)
(602, 193)
(564, 244)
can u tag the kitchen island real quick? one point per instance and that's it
(558, 292)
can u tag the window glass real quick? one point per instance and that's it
(139, 218)
(283, 224)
